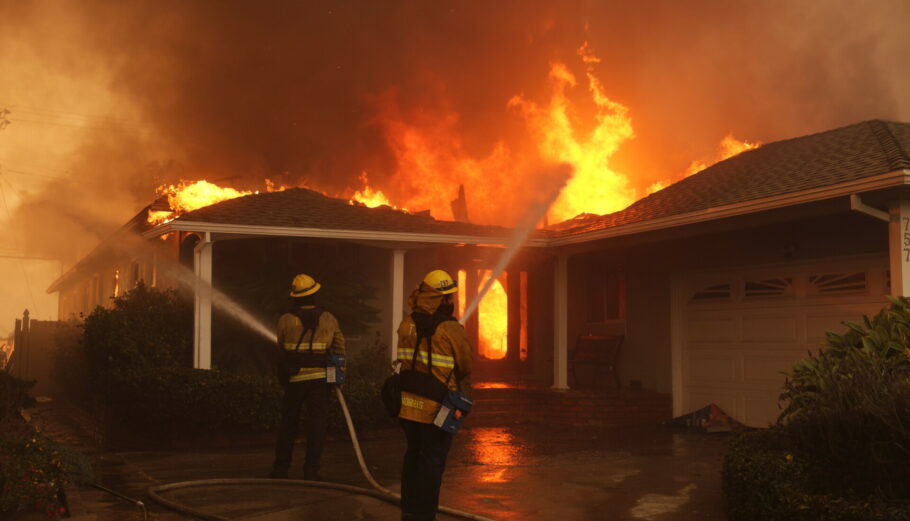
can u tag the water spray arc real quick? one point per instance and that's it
(523, 229)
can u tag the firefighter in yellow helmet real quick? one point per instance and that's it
(430, 328)
(310, 342)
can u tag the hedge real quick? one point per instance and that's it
(764, 481)
(178, 402)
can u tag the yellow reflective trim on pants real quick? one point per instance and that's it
(308, 373)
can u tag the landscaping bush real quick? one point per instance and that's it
(763, 480)
(841, 448)
(138, 360)
(145, 328)
(33, 468)
(849, 407)
(14, 395)
(178, 401)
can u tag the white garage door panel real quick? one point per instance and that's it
(761, 408)
(766, 368)
(720, 369)
(734, 346)
(818, 324)
(779, 328)
(719, 329)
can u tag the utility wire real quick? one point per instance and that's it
(9, 219)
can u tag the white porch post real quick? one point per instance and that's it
(560, 322)
(397, 297)
(899, 247)
(202, 325)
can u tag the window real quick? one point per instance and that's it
(604, 295)
(782, 287)
(134, 275)
(713, 292)
(837, 283)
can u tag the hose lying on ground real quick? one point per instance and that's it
(378, 492)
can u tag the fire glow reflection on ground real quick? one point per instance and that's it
(495, 449)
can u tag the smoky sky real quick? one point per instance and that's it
(241, 91)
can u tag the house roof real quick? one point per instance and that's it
(301, 208)
(790, 166)
(846, 160)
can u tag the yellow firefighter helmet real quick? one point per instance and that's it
(304, 285)
(441, 282)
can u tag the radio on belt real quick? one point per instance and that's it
(334, 369)
(445, 418)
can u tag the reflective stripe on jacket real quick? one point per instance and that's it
(451, 355)
(327, 338)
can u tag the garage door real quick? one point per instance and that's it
(735, 331)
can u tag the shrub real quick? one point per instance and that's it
(14, 395)
(146, 327)
(849, 407)
(179, 401)
(764, 480)
(34, 469)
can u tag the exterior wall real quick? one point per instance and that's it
(650, 268)
(96, 287)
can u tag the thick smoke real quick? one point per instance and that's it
(292, 91)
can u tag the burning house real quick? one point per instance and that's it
(716, 283)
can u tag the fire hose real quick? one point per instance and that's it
(378, 491)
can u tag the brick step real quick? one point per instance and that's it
(505, 405)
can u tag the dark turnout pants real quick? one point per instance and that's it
(315, 393)
(421, 474)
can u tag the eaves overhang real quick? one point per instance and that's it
(330, 233)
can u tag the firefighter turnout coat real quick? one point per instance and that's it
(451, 354)
(326, 339)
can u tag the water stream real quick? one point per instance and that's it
(525, 225)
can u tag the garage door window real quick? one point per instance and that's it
(838, 283)
(769, 288)
(713, 293)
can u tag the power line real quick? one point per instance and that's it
(28, 284)
(65, 114)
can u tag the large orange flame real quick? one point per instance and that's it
(187, 196)
(594, 187)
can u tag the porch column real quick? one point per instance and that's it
(560, 322)
(397, 298)
(513, 292)
(202, 325)
(899, 247)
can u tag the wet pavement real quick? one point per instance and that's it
(507, 473)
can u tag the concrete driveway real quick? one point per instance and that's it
(508, 473)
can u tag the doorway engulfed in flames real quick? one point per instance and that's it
(493, 314)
